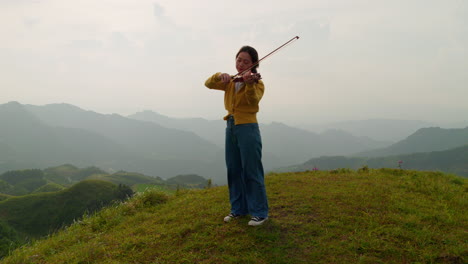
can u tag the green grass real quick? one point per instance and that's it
(143, 187)
(4, 196)
(342, 216)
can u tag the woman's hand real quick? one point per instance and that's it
(250, 77)
(225, 78)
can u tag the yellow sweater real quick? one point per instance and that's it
(243, 105)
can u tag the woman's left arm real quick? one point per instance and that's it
(254, 91)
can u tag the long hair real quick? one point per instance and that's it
(253, 54)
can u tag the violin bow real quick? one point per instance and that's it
(238, 75)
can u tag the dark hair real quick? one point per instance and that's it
(253, 54)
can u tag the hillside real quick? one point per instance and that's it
(34, 202)
(424, 140)
(450, 161)
(37, 214)
(371, 216)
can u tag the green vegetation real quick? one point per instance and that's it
(4, 196)
(9, 239)
(35, 202)
(139, 188)
(450, 161)
(339, 216)
(21, 182)
(50, 187)
(128, 178)
(188, 181)
(68, 174)
(38, 214)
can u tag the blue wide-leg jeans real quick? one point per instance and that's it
(245, 174)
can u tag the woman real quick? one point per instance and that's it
(247, 193)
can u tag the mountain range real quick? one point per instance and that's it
(424, 140)
(153, 144)
(40, 137)
(449, 161)
(392, 130)
(282, 144)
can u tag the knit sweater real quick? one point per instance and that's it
(243, 105)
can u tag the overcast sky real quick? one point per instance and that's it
(355, 59)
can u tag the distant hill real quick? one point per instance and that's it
(38, 214)
(450, 161)
(147, 138)
(189, 180)
(68, 174)
(47, 136)
(128, 178)
(423, 140)
(320, 217)
(41, 137)
(21, 182)
(24, 182)
(392, 130)
(211, 130)
(292, 145)
(49, 187)
(282, 144)
(33, 144)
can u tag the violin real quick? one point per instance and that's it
(255, 77)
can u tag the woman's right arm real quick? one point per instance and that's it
(218, 81)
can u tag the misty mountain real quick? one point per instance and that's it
(454, 160)
(282, 144)
(40, 137)
(28, 140)
(148, 138)
(45, 136)
(211, 130)
(424, 140)
(296, 145)
(378, 129)
(158, 150)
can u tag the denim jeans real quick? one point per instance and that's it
(245, 174)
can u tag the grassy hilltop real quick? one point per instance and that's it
(339, 216)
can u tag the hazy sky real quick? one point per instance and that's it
(355, 59)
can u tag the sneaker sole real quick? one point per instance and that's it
(253, 223)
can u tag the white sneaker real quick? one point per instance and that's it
(256, 221)
(230, 217)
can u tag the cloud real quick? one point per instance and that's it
(31, 22)
(356, 55)
(158, 10)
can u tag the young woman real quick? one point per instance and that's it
(245, 175)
